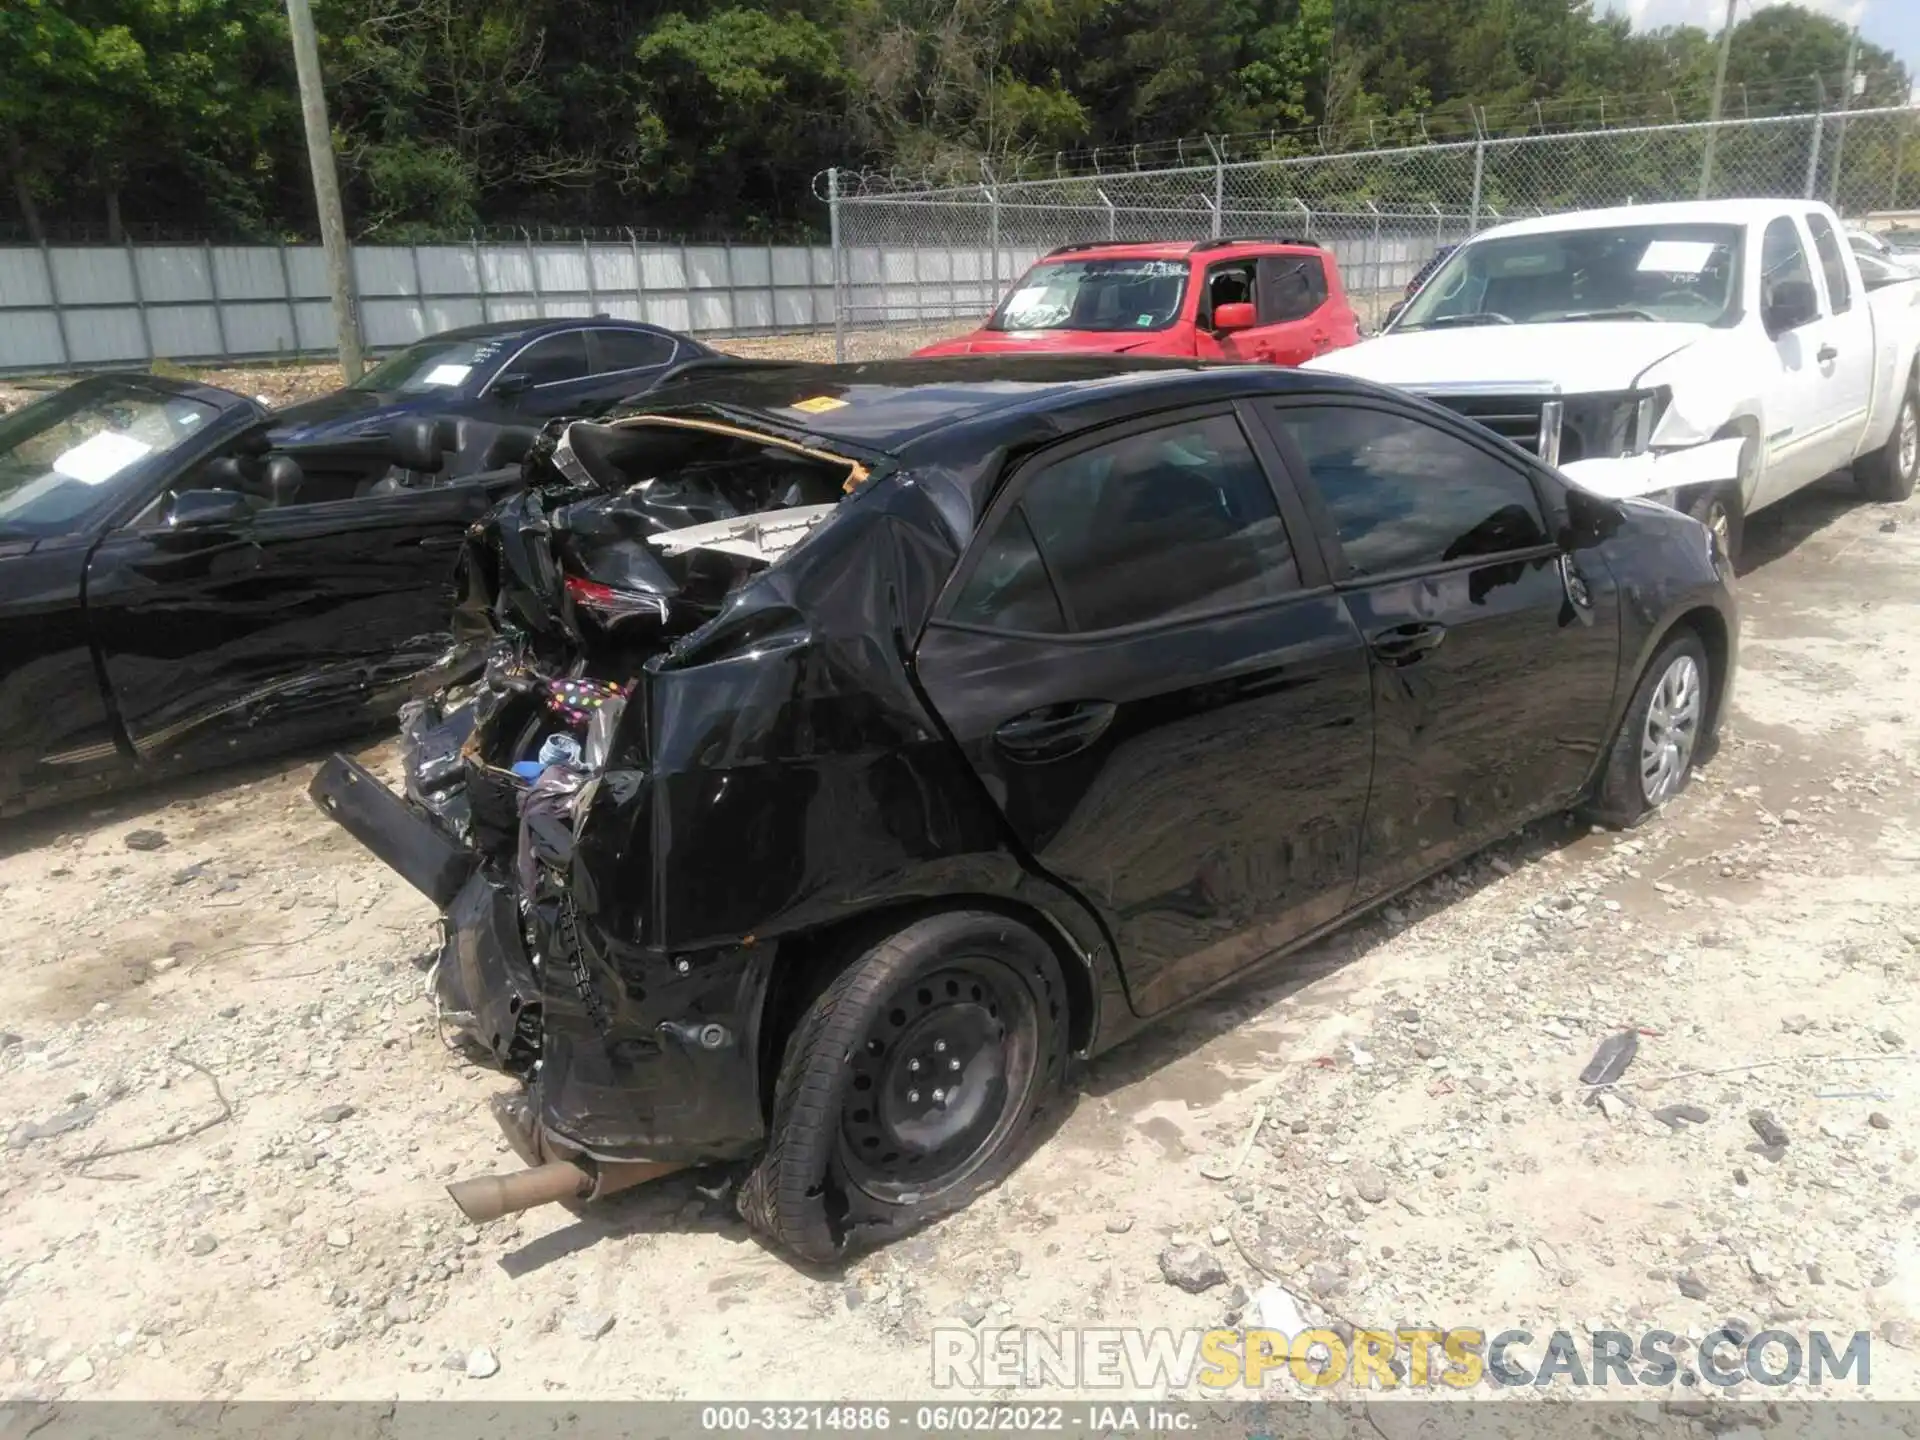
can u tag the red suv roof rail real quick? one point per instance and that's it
(1220, 242)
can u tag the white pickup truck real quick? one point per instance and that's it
(1716, 356)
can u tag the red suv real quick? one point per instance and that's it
(1278, 301)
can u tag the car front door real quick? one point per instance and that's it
(1163, 695)
(1289, 296)
(1494, 652)
(546, 378)
(297, 612)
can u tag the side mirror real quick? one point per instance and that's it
(517, 383)
(1791, 304)
(1228, 318)
(197, 510)
(418, 444)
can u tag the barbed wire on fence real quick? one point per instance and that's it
(1461, 123)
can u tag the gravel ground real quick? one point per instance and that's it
(229, 1115)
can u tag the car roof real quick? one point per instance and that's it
(530, 329)
(217, 396)
(1174, 249)
(894, 407)
(1678, 212)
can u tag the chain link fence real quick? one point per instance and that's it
(915, 263)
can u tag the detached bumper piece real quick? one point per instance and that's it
(410, 845)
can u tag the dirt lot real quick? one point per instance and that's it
(229, 1115)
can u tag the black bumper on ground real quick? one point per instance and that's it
(628, 1053)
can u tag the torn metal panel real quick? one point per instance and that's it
(757, 537)
(1661, 471)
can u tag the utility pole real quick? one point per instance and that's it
(326, 187)
(1719, 92)
(1846, 104)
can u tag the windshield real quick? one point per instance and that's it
(1630, 272)
(430, 365)
(1095, 295)
(68, 456)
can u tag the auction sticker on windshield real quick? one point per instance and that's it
(818, 405)
(446, 375)
(1677, 257)
(96, 461)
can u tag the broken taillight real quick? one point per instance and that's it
(613, 605)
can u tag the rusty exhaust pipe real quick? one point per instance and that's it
(488, 1197)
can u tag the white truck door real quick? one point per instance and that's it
(1801, 366)
(1849, 335)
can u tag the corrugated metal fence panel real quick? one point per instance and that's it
(93, 306)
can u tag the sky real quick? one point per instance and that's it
(1894, 24)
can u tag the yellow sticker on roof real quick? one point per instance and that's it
(818, 404)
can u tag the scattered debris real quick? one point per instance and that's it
(1191, 1268)
(1879, 1121)
(1772, 1134)
(1214, 1169)
(334, 1114)
(1611, 1060)
(202, 1244)
(145, 840)
(1677, 1117)
(481, 1364)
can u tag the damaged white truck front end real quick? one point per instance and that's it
(1715, 356)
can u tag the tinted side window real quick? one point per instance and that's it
(1009, 588)
(629, 350)
(1406, 494)
(1827, 245)
(1168, 522)
(1292, 287)
(1782, 256)
(556, 358)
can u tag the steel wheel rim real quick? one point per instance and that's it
(941, 1077)
(1909, 437)
(1672, 729)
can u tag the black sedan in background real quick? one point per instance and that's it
(859, 743)
(496, 384)
(178, 587)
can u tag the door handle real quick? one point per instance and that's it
(1052, 732)
(435, 543)
(1403, 644)
(1826, 353)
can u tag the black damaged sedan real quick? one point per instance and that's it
(859, 746)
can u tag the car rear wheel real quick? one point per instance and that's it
(1651, 758)
(1887, 475)
(914, 1082)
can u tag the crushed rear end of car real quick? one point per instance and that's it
(668, 755)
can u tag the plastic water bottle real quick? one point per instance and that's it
(560, 749)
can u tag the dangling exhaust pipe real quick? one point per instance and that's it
(488, 1197)
(547, 1179)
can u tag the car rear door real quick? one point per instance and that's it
(1162, 693)
(298, 614)
(1494, 653)
(1849, 336)
(626, 362)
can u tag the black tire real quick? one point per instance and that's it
(839, 1175)
(1621, 796)
(1885, 476)
(1718, 508)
